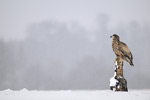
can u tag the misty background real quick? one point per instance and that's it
(64, 44)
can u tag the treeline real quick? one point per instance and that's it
(56, 56)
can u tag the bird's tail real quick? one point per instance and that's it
(131, 63)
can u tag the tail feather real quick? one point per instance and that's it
(129, 60)
(131, 63)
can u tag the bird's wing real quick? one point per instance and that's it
(125, 50)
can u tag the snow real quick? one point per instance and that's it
(113, 81)
(74, 95)
(116, 64)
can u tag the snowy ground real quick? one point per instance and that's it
(74, 95)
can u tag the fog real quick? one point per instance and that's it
(56, 55)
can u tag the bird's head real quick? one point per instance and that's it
(115, 36)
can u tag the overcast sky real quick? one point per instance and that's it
(17, 15)
(71, 57)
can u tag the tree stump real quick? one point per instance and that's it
(118, 82)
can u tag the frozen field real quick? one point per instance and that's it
(74, 95)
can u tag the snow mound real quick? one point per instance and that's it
(74, 95)
(113, 81)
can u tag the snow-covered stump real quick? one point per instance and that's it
(118, 82)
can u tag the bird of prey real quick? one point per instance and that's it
(121, 49)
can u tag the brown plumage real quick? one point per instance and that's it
(121, 49)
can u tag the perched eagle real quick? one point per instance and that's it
(121, 49)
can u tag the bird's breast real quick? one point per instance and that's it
(115, 46)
